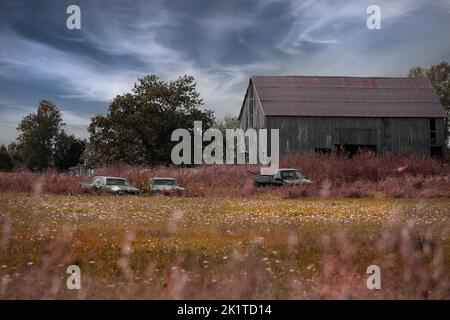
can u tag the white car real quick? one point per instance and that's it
(115, 185)
(161, 184)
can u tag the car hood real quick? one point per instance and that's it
(167, 188)
(122, 188)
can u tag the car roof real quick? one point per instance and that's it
(162, 178)
(106, 177)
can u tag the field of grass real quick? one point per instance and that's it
(256, 247)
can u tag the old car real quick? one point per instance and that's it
(161, 184)
(114, 185)
(281, 177)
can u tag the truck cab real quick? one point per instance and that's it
(281, 177)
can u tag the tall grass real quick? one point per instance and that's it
(366, 174)
(224, 249)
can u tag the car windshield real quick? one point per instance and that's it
(164, 182)
(291, 175)
(117, 182)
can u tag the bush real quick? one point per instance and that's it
(6, 162)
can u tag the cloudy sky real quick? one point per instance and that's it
(220, 42)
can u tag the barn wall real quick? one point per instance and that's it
(441, 131)
(305, 134)
(251, 102)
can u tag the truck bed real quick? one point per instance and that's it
(265, 180)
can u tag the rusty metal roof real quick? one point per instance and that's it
(347, 97)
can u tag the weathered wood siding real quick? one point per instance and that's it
(252, 105)
(305, 134)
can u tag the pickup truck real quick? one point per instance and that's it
(110, 184)
(281, 177)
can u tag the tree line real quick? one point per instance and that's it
(138, 125)
(42, 142)
(136, 129)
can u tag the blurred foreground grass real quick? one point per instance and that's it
(259, 247)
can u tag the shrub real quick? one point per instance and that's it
(6, 162)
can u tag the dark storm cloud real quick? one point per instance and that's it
(221, 43)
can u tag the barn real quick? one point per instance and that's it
(328, 114)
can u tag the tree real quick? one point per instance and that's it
(68, 150)
(228, 122)
(6, 162)
(417, 72)
(37, 133)
(439, 76)
(138, 126)
(14, 152)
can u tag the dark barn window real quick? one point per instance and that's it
(251, 111)
(432, 132)
(323, 150)
(353, 149)
(432, 124)
(432, 138)
(436, 152)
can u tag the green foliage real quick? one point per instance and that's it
(14, 152)
(37, 133)
(68, 150)
(6, 162)
(417, 72)
(439, 75)
(228, 122)
(138, 126)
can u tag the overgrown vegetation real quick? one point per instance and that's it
(263, 247)
(365, 175)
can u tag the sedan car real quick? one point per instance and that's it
(114, 185)
(165, 185)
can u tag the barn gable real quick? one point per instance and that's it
(252, 114)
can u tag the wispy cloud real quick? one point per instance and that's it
(220, 43)
(80, 77)
(326, 22)
(11, 113)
